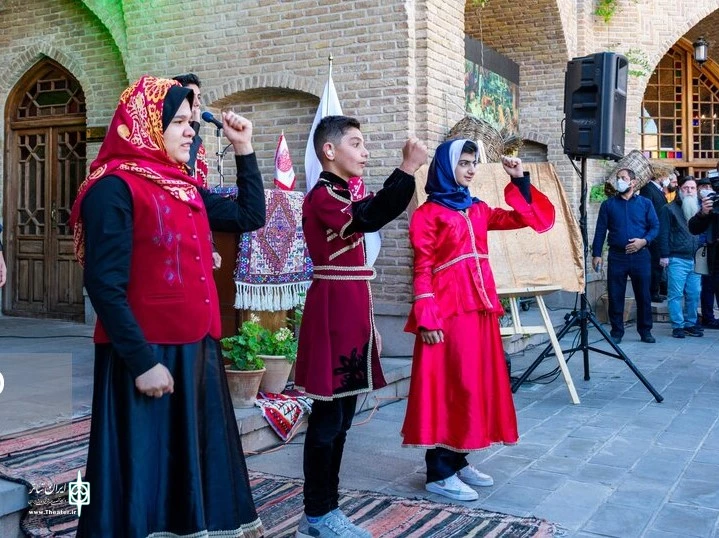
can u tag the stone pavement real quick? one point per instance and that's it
(619, 464)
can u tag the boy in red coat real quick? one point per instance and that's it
(338, 356)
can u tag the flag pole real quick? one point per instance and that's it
(329, 77)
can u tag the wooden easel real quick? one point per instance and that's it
(537, 292)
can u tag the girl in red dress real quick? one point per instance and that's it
(460, 398)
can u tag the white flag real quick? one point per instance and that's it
(330, 106)
(284, 171)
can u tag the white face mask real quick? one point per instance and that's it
(622, 185)
(665, 183)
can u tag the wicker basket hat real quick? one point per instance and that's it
(496, 143)
(644, 169)
(638, 163)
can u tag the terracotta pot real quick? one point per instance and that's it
(278, 371)
(244, 385)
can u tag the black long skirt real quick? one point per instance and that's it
(166, 467)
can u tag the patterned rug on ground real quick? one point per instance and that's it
(46, 460)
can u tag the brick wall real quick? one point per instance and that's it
(532, 152)
(69, 33)
(271, 111)
(398, 67)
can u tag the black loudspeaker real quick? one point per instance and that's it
(595, 106)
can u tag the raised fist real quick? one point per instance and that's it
(513, 166)
(414, 155)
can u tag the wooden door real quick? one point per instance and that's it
(46, 164)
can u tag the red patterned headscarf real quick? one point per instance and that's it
(134, 146)
(202, 166)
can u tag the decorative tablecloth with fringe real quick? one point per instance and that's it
(274, 269)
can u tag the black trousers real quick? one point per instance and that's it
(327, 429)
(708, 295)
(638, 267)
(443, 463)
(655, 286)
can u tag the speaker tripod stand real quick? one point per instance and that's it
(583, 317)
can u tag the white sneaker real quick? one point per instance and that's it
(452, 488)
(470, 475)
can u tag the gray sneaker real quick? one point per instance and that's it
(358, 531)
(330, 525)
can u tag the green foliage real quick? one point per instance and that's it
(597, 194)
(606, 9)
(638, 63)
(252, 339)
(281, 342)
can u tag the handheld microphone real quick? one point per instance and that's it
(209, 118)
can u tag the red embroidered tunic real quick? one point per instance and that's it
(337, 354)
(460, 396)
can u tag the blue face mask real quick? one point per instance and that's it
(622, 185)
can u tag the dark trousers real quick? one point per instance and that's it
(657, 270)
(709, 294)
(443, 463)
(637, 267)
(327, 429)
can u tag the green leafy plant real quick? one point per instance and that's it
(281, 342)
(606, 9)
(242, 349)
(252, 339)
(639, 65)
(597, 194)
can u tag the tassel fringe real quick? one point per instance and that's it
(269, 297)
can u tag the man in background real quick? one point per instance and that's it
(629, 223)
(654, 192)
(198, 155)
(677, 246)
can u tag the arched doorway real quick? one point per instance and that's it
(45, 146)
(680, 112)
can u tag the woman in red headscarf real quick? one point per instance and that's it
(165, 457)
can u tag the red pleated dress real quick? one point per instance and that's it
(460, 396)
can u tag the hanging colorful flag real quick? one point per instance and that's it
(284, 171)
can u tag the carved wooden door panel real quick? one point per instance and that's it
(47, 159)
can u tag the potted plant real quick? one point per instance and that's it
(246, 368)
(279, 352)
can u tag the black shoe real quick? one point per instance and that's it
(678, 333)
(648, 338)
(693, 331)
(710, 324)
(616, 339)
(658, 298)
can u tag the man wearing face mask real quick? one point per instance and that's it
(629, 223)
(677, 246)
(654, 192)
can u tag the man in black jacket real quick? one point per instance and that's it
(654, 190)
(706, 221)
(677, 246)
